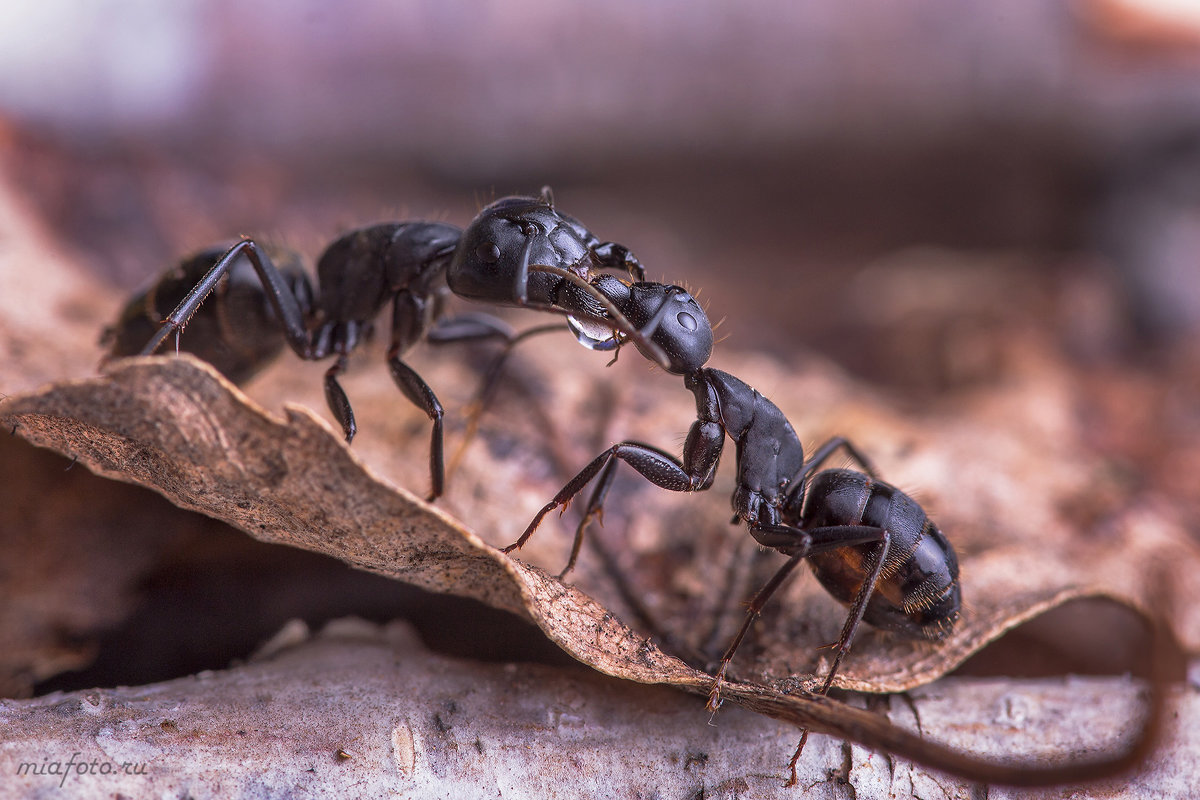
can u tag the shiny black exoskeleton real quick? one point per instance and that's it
(901, 577)
(502, 248)
(356, 277)
(521, 251)
(869, 544)
(236, 331)
(518, 251)
(901, 574)
(918, 594)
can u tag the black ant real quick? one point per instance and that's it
(870, 545)
(518, 251)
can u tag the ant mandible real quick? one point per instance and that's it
(518, 251)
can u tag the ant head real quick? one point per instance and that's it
(504, 239)
(674, 321)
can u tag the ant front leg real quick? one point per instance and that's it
(287, 309)
(694, 473)
(657, 466)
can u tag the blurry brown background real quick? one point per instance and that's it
(918, 191)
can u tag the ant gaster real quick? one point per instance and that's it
(235, 330)
(518, 251)
(869, 544)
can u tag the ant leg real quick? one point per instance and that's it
(752, 612)
(794, 493)
(859, 607)
(408, 315)
(804, 543)
(701, 454)
(416, 390)
(335, 396)
(656, 466)
(475, 327)
(694, 473)
(848, 630)
(822, 454)
(594, 511)
(491, 376)
(469, 327)
(828, 449)
(793, 778)
(799, 544)
(790, 540)
(482, 327)
(564, 496)
(282, 300)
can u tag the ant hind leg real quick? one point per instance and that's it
(283, 301)
(849, 628)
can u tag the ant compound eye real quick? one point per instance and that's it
(687, 321)
(488, 252)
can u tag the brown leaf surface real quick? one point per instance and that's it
(174, 425)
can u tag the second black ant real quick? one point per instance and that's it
(870, 545)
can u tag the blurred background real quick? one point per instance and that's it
(915, 190)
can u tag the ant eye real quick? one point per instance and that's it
(686, 321)
(488, 253)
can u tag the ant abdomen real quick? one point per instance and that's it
(237, 332)
(918, 593)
